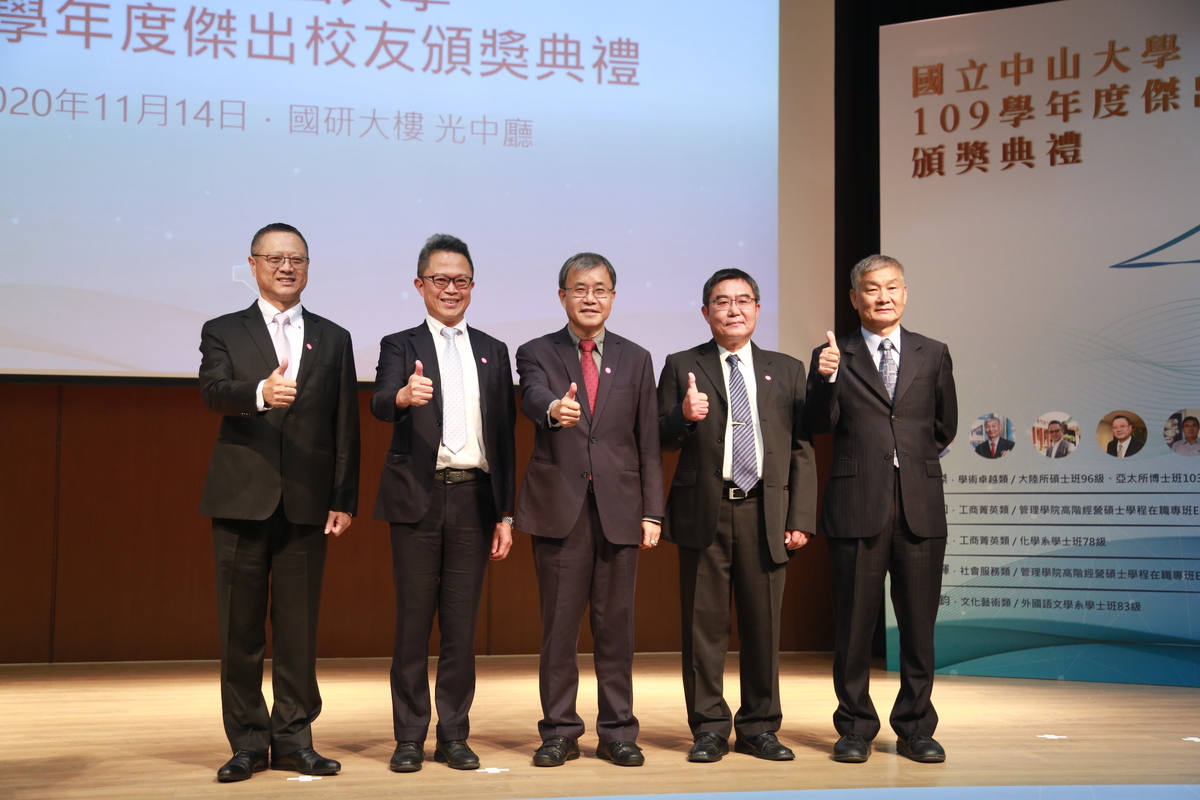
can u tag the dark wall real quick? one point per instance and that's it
(107, 559)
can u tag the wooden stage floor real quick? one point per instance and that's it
(141, 730)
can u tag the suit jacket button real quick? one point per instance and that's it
(592, 440)
(894, 417)
(717, 472)
(584, 475)
(720, 440)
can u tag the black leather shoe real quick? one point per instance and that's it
(921, 748)
(456, 755)
(623, 754)
(764, 745)
(243, 764)
(556, 751)
(852, 749)
(708, 747)
(306, 761)
(408, 757)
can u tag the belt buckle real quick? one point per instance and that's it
(736, 493)
(454, 476)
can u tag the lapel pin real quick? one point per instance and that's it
(608, 370)
(768, 377)
(482, 360)
(309, 346)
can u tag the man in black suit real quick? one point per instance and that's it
(283, 475)
(1123, 444)
(994, 445)
(887, 395)
(447, 490)
(742, 500)
(592, 495)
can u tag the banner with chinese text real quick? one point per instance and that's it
(1039, 173)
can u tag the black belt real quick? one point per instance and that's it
(731, 491)
(460, 475)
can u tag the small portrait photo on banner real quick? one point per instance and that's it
(1121, 433)
(1056, 434)
(992, 436)
(1182, 432)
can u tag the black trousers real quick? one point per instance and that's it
(736, 566)
(283, 561)
(438, 565)
(574, 572)
(859, 567)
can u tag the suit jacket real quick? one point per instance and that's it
(867, 427)
(1132, 449)
(407, 479)
(1003, 445)
(788, 478)
(616, 450)
(305, 454)
(1061, 450)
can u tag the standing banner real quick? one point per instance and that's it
(1039, 174)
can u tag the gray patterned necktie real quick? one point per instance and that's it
(887, 367)
(454, 411)
(745, 455)
(283, 345)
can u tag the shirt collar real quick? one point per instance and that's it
(598, 339)
(873, 339)
(436, 327)
(745, 355)
(295, 313)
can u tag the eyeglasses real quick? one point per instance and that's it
(297, 262)
(723, 303)
(442, 281)
(580, 292)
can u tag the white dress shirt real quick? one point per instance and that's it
(295, 336)
(473, 454)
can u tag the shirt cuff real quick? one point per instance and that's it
(262, 404)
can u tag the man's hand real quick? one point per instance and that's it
(566, 410)
(650, 533)
(501, 541)
(278, 391)
(417, 392)
(830, 357)
(337, 523)
(695, 403)
(794, 540)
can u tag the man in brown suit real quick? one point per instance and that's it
(592, 495)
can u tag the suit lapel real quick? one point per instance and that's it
(911, 360)
(709, 362)
(859, 362)
(426, 350)
(312, 341)
(569, 354)
(763, 379)
(610, 362)
(257, 328)
(481, 351)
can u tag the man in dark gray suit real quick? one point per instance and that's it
(447, 490)
(283, 475)
(743, 499)
(887, 395)
(592, 495)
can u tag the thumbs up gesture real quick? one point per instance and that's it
(695, 402)
(831, 356)
(566, 409)
(278, 391)
(418, 391)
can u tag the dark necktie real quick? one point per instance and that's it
(745, 455)
(591, 378)
(887, 367)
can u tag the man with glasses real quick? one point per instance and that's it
(447, 489)
(283, 475)
(592, 495)
(743, 499)
(1058, 446)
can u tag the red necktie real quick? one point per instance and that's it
(993, 449)
(591, 378)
